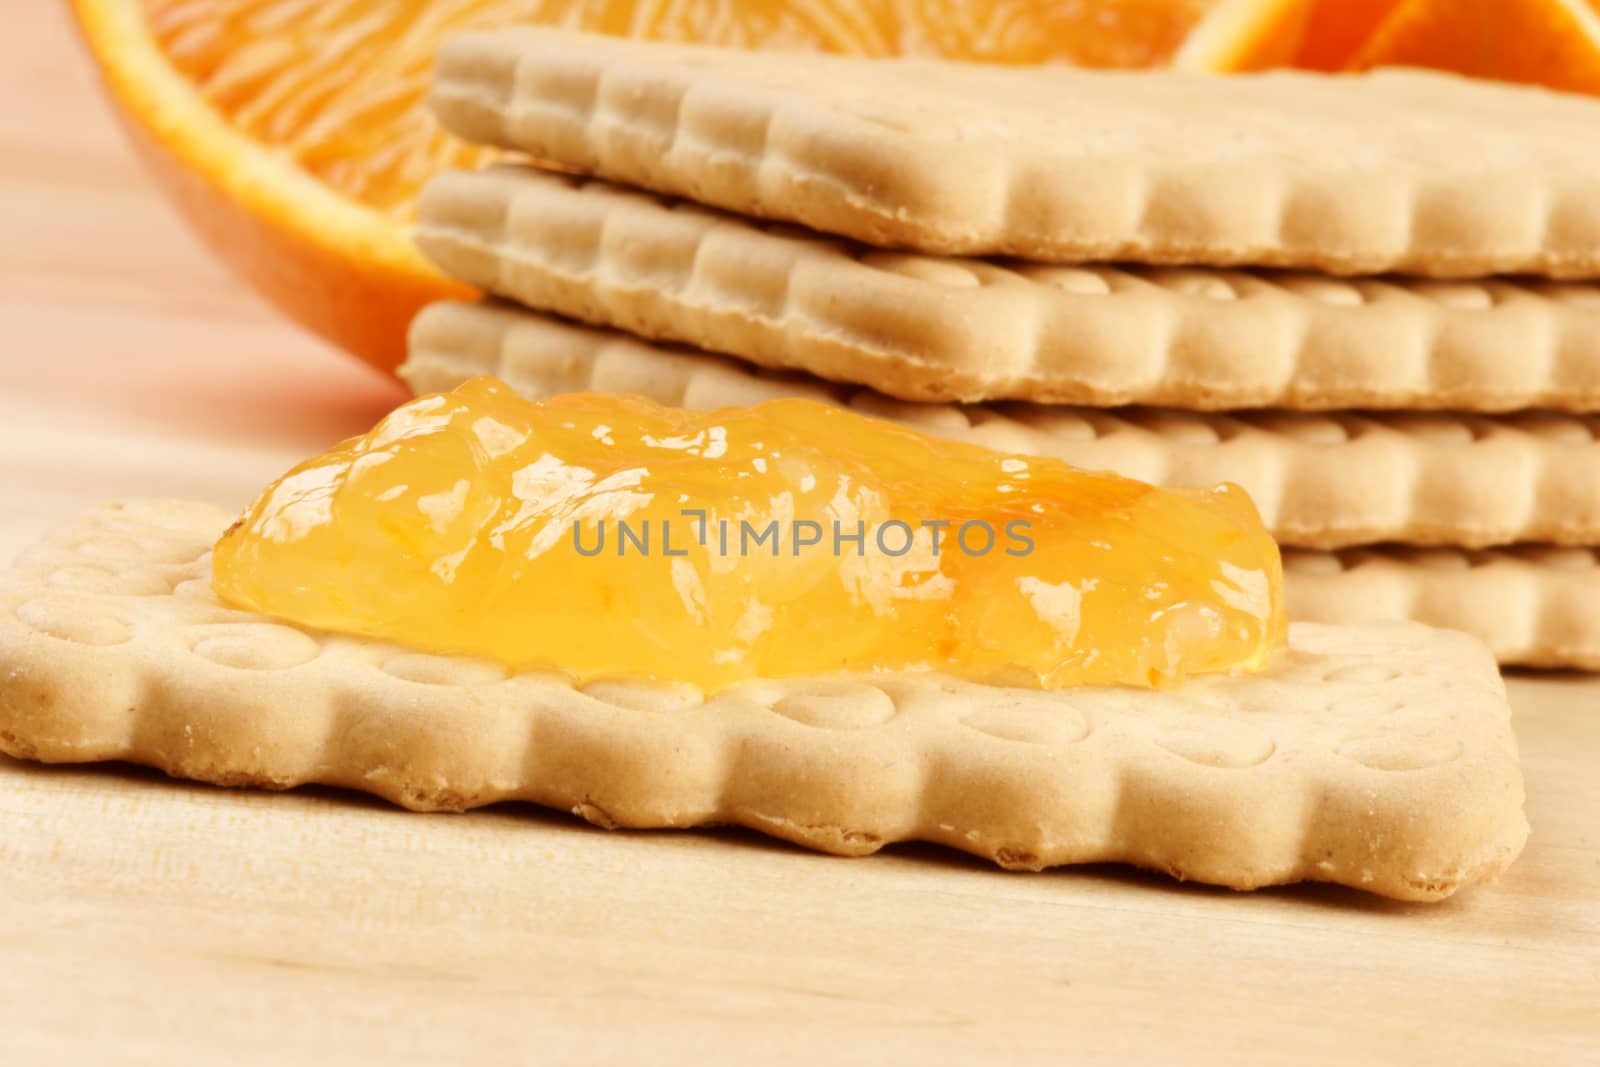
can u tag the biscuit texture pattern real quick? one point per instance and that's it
(1533, 605)
(934, 328)
(1393, 172)
(1377, 757)
(1320, 480)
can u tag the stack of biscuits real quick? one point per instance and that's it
(1363, 299)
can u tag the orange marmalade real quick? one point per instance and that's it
(609, 537)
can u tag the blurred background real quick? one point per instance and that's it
(117, 325)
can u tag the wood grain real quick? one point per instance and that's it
(142, 919)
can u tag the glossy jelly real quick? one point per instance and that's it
(609, 537)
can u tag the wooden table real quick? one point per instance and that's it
(144, 919)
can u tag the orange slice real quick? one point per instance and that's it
(1555, 43)
(1240, 35)
(1335, 30)
(292, 134)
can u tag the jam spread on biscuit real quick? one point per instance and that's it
(609, 537)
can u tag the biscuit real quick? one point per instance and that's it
(1409, 172)
(1319, 480)
(1533, 605)
(1377, 757)
(941, 329)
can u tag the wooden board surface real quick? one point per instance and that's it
(148, 920)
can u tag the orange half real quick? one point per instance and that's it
(339, 266)
(1244, 35)
(1336, 29)
(1554, 43)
